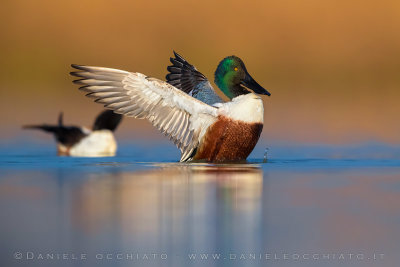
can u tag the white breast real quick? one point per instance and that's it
(247, 108)
(97, 144)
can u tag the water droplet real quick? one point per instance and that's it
(266, 155)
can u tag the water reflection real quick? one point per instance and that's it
(179, 210)
(173, 208)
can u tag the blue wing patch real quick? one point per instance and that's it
(187, 78)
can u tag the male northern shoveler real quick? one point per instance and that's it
(186, 108)
(82, 142)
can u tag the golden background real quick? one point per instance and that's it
(333, 67)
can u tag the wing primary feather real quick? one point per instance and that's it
(187, 78)
(174, 127)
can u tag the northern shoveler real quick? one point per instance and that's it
(81, 141)
(186, 108)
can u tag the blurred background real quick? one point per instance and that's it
(332, 66)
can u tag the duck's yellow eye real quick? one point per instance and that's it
(236, 69)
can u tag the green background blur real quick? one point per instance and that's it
(332, 66)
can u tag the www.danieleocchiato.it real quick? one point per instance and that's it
(51, 256)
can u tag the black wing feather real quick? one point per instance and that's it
(107, 120)
(183, 75)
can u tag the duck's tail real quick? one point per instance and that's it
(43, 127)
(47, 127)
(66, 135)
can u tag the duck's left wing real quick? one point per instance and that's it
(187, 78)
(107, 120)
(177, 115)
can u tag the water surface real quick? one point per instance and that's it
(303, 207)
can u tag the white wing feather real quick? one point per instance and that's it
(177, 115)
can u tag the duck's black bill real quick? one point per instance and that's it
(250, 83)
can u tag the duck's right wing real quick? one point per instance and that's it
(187, 78)
(177, 115)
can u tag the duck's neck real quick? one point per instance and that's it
(233, 91)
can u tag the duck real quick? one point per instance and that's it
(78, 141)
(185, 107)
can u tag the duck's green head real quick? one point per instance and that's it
(233, 79)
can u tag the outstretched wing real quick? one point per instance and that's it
(187, 78)
(177, 115)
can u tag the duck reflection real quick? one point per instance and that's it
(175, 209)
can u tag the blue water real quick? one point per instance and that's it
(307, 205)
